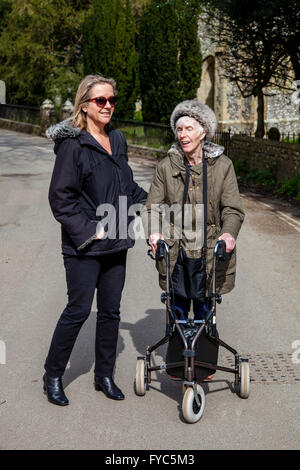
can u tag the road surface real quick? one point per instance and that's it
(260, 318)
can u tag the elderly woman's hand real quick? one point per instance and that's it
(153, 239)
(229, 240)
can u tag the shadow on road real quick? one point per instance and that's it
(145, 332)
(148, 331)
(83, 355)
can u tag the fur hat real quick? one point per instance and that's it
(199, 111)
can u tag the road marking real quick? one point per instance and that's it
(281, 215)
(286, 218)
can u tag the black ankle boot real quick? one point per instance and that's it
(107, 385)
(53, 388)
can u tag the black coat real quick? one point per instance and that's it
(84, 177)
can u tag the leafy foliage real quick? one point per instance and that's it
(40, 50)
(267, 178)
(109, 49)
(291, 187)
(169, 56)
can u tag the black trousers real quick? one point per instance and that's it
(84, 275)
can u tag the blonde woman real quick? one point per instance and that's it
(91, 170)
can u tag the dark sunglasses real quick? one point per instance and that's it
(101, 101)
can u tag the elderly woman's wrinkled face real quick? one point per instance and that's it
(189, 133)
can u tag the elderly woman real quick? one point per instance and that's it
(90, 174)
(192, 163)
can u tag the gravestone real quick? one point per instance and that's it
(2, 92)
(66, 110)
(48, 114)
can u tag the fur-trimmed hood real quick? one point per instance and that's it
(199, 111)
(62, 130)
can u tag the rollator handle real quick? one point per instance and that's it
(160, 250)
(220, 250)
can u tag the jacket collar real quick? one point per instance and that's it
(64, 130)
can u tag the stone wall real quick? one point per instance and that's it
(260, 153)
(145, 153)
(20, 126)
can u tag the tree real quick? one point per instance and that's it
(39, 50)
(190, 59)
(252, 56)
(159, 70)
(281, 19)
(109, 49)
(169, 56)
(5, 9)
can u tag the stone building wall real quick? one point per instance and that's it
(232, 110)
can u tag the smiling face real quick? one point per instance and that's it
(95, 115)
(189, 134)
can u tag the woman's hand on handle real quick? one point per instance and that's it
(229, 241)
(153, 239)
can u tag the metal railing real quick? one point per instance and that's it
(148, 134)
(223, 138)
(289, 137)
(157, 135)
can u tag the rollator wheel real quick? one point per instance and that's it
(244, 376)
(192, 412)
(140, 378)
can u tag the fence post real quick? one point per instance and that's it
(48, 114)
(66, 110)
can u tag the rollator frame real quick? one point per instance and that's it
(189, 363)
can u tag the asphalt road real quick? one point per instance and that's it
(260, 318)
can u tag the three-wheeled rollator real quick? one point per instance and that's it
(193, 345)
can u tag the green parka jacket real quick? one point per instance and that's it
(224, 212)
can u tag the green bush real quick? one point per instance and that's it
(291, 140)
(291, 187)
(241, 167)
(138, 115)
(266, 176)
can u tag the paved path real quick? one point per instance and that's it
(261, 318)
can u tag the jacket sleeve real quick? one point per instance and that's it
(65, 188)
(152, 212)
(232, 214)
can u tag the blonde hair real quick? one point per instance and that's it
(83, 95)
